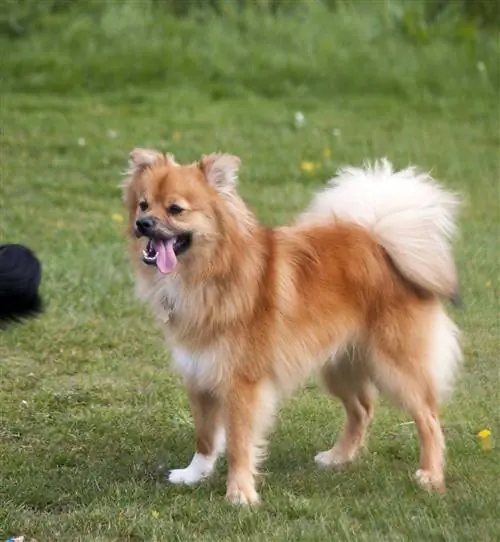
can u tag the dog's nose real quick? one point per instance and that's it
(145, 225)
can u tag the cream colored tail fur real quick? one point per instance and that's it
(412, 217)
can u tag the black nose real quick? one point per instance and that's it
(145, 225)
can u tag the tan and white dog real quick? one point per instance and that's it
(352, 290)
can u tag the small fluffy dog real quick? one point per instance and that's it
(20, 276)
(353, 290)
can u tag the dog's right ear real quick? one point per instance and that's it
(139, 160)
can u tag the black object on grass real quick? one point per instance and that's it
(20, 277)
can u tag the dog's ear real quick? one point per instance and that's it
(139, 160)
(220, 170)
(143, 158)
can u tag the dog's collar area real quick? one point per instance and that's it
(168, 309)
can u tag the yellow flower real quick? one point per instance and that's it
(327, 152)
(117, 217)
(485, 440)
(488, 284)
(308, 167)
(155, 514)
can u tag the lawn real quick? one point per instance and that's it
(90, 416)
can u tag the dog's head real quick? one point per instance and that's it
(181, 211)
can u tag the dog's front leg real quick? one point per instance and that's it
(210, 440)
(249, 410)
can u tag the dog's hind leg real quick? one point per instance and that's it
(413, 364)
(210, 439)
(415, 393)
(347, 378)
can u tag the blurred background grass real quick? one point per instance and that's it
(312, 47)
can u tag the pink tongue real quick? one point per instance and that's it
(166, 259)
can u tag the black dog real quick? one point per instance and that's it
(20, 277)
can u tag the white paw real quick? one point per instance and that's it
(323, 459)
(185, 476)
(242, 496)
(331, 458)
(201, 467)
(423, 477)
(430, 481)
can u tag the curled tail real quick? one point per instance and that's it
(410, 215)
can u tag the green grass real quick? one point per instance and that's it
(90, 415)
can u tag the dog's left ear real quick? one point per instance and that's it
(220, 170)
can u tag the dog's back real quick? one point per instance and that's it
(20, 277)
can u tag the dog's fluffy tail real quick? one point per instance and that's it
(410, 215)
(20, 276)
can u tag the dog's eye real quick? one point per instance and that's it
(143, 205)
(174, 209)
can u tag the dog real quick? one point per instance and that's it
(353, 290)
(20, 278)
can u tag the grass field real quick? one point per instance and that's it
(90, 416)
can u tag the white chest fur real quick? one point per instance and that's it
(205, 370)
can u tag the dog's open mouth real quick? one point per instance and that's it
(163, 252)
